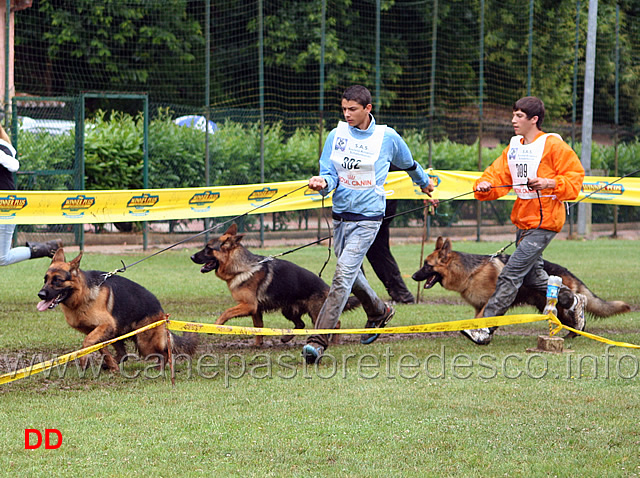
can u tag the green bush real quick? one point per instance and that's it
(113, 153)
(45, 152)
(176, 154)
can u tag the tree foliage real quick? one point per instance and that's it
(158, 47)
(113, 45)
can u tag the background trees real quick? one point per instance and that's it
(159, 47)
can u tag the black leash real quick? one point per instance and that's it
(501, 251)
(568, 207)
(274, 256)
(326, 219)
(271, 257)
(603, 187)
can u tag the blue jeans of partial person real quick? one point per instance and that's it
(7, 254)
(352, 240)
(525, 267)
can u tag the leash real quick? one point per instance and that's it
(497, 253)
(603, 187)
(501, 251)
(216, 226)
(428, 206)
(275, 256)
(569, 206)
(326, 219)
(425, 207)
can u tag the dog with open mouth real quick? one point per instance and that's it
(104, 308)
(259, 284)
(474, 276)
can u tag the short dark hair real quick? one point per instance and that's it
(359, 94)
(531, 106)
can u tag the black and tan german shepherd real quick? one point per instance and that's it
(474, 276)
(103, 309)
(260, 285)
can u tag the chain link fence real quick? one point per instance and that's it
(267, 77)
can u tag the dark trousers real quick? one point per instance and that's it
(383, 263)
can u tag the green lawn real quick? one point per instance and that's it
(425, 405)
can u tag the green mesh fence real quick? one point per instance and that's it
(439, 69)
(294, 58)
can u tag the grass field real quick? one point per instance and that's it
(423, 405)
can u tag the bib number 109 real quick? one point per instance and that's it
(521, 170)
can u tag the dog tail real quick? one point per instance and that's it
(185, 344)
(596, 306)
(603, 308)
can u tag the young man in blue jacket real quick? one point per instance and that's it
(354, 165)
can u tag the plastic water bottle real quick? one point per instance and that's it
(553, 286)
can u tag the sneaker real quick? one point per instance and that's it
(377, 323)
(577, 311)
(312, 353)
(478, 336)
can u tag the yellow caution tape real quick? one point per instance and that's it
(41, 367)
(560, 326)
(405, 329)
(450, 326)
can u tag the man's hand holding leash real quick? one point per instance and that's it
(534, 184)
(538, 184)
(483, 186)
(428, 189)
(317, 183)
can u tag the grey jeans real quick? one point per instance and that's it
(526, 267)
(352, 240)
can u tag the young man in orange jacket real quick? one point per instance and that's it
(543, 171)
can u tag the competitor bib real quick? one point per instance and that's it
(524, 160)
(354, 159)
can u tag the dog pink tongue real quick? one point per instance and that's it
(44, 304)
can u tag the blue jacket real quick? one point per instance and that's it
(368, 203)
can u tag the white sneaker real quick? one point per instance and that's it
(478, 336)
(577, 311)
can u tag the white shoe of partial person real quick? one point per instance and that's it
(577, 311)
(478, 336)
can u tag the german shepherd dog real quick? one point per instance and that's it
(260, 285)
(103, 309)
(474, 276)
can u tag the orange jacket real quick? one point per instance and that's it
(558, 162)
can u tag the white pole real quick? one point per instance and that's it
(584, 209)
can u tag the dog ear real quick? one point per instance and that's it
(439, 242)
(445, 250)
(75, 263)
(233, 229)
(59, 256)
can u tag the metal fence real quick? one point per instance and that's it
(448, 70)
